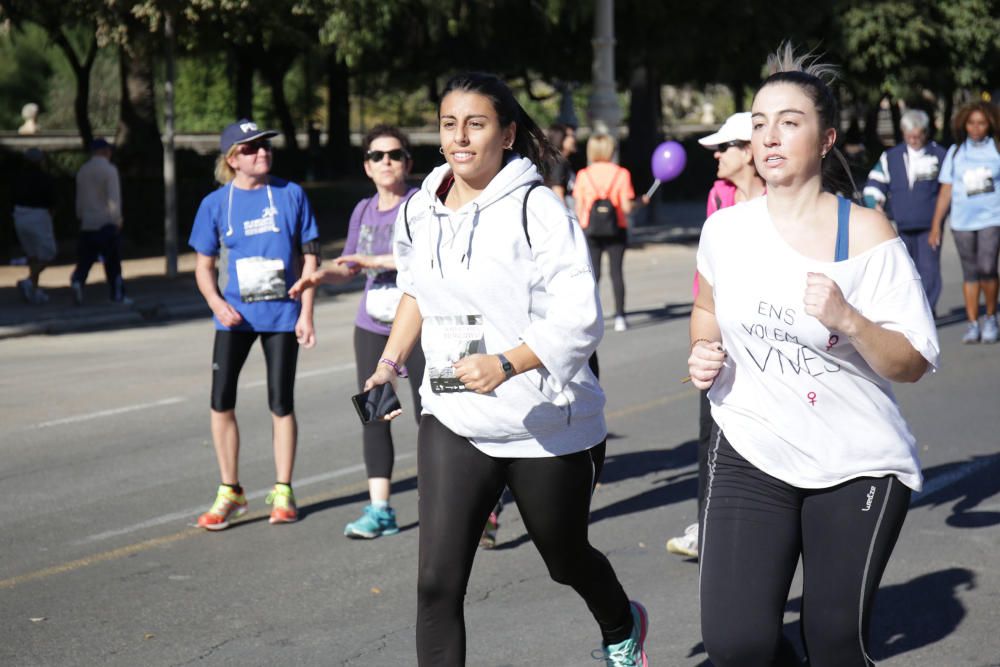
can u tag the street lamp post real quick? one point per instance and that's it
(169, 164)
(605, 114)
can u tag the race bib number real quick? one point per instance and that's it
(261, 279)
(978, 181)
(446, 339)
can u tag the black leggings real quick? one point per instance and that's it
(457, 486)
(615, 248)
(755, 529)
(376, 437)
(281, 354)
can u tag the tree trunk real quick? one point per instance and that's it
(644, 124)
(81, 71)
(739, 102)
(896, 115)
(338, 115)
(139, 150)
(244, 84)
(275, 73)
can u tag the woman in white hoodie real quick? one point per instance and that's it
(499, 289)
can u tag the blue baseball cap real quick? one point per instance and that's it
(241, 132)
(99, 144)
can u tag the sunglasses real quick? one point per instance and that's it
(251, 148)
(396, 155)
(722, 148)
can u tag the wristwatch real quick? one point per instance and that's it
(508, 368)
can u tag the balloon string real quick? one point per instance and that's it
(652, 189)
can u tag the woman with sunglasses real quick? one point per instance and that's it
(499, 293)
(369, 248)
(264, 231)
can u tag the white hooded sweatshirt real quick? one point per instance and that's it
(481, 288)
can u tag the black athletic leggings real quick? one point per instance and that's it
(755, 529)
(615, 248)
(458, 485)
(281, 354)
(376, 437)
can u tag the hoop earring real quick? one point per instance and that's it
(441, 150)
(508, 147)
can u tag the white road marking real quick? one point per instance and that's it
(195, 511)
(110, 413)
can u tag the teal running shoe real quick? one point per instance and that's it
(630, 653)
(373, 523)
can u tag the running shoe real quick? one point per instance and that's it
(990, 331)
(620, 323)
(372, 523)
(283, 500)
(228, 505)
(971, 333)
(27, 289)
(77, 288)
(630, 653)
(489, 538)
(686, 544)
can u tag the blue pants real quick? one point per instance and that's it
(928, 261)
(101, 243)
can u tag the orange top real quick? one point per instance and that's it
(602, 179)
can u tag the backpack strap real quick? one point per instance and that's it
(843, 226)
(524, 211)
(406, 217)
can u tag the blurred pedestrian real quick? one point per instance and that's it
(737, 181)
(969, 178)
(604, 197)
(263, 232)
(560, 177)
(99, 209)
(809, 309)
(369, 248)
(33, 195)
(507, 316)
(904, 185)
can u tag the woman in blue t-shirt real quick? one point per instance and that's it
(369, 248)
(969, 178)
(262, 233)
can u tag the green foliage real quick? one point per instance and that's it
(203, 95)
(25, 71)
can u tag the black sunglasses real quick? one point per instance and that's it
(396, 155)
(251, 147)
(722, 148)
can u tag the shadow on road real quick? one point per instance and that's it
(398, 486)
(967, 483)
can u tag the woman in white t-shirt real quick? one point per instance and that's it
(809, 308)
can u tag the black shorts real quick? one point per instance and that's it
(281, 353)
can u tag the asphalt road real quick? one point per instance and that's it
(106, 461)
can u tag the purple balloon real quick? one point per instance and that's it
(668, 161)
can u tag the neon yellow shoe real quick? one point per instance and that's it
(228, 505)
(284, 510)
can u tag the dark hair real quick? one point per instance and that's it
(556, 134)
(813, 78)
(988, 109)
(529, 139)
(383, 130)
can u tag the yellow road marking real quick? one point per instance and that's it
(146, 545)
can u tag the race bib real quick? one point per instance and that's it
(978, 181)
(925, 168)
(261, 279)
(446, 339)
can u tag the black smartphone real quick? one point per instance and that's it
(376, 403)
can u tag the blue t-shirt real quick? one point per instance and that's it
(973, 170)
(258, 236)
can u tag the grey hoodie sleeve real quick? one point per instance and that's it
(573, 324)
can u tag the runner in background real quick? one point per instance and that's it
(369, 248)
(262, 231)
(738, 181)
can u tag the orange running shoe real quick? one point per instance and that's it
(284, 510)
(228, 505)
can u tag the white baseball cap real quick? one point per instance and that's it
(736, 128)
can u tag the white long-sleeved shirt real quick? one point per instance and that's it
(481, 288)
(98, 194)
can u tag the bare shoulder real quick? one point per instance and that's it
(869, 228)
